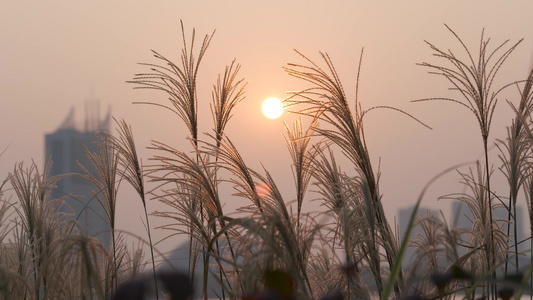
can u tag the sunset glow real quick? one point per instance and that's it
(333, 198)
(272, 108)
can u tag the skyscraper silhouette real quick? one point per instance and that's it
(67, 147)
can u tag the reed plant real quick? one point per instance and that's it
(273, 246)
(327, 102)
(179, 83)
(132, 171)
(473, 79)
(40, 224)
(106, 180)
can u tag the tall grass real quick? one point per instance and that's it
(179, 83)
(132, 171)
(273, 246)
(105, 178)
(473, 79)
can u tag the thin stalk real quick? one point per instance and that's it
(508, 230)
(151, 249)
(515, 238)
(114, 279)
(491, 258)
(132, 171)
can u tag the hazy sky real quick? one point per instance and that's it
(57, 54)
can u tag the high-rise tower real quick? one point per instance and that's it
(67, 149)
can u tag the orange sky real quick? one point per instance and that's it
(56, 54)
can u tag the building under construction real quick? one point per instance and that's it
(67, 148)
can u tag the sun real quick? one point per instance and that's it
(272, 108)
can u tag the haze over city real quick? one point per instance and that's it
(55, 55)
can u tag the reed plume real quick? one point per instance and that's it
(327, 102)
(227, 93)
(179, 83)
(515, 152)
(342, 197)
(132, 171)
(106, 180)
(40, 224)
(473, 79)
(302, 156)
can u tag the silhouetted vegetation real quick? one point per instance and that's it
(277, 248)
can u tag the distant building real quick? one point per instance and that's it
(405, 216)
(66, 148)
(413, 257)
(178, 260)
(462, 218)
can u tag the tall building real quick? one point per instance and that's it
(405, 216)
(413, 257)
(66, 147)
(462, 217)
